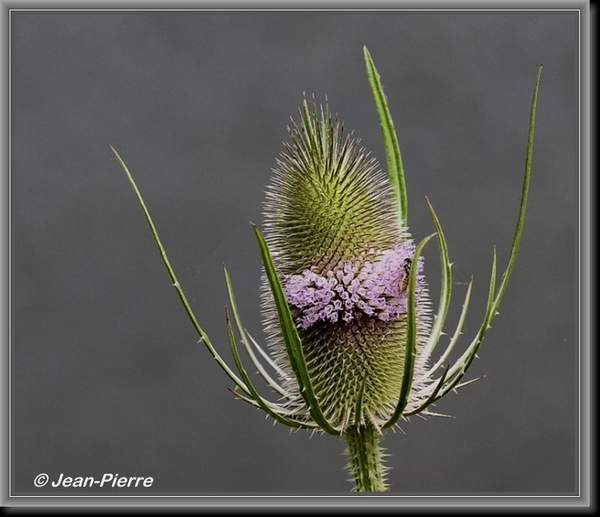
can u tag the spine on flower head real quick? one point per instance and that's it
(344, 260)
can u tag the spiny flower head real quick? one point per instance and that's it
(344, 259)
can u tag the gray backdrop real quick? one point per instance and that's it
(106, 372)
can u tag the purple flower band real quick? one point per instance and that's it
(375, 288)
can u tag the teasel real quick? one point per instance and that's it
(349, 325)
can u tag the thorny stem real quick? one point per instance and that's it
(366, 458)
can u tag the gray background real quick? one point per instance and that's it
(106, 375)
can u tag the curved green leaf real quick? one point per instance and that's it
(433, 397)
(411, 337)
(263, 404)
(494, 298)
(292, 339)
(462, 365)
(203, 336)
(457, 332)
(445, 289)
(245, 338)
(524, 195)
(390, 141)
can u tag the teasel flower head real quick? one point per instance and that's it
(344, 258)
(347, 313)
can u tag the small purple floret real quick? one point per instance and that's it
(373, 288)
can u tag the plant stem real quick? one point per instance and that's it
(365, 458)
